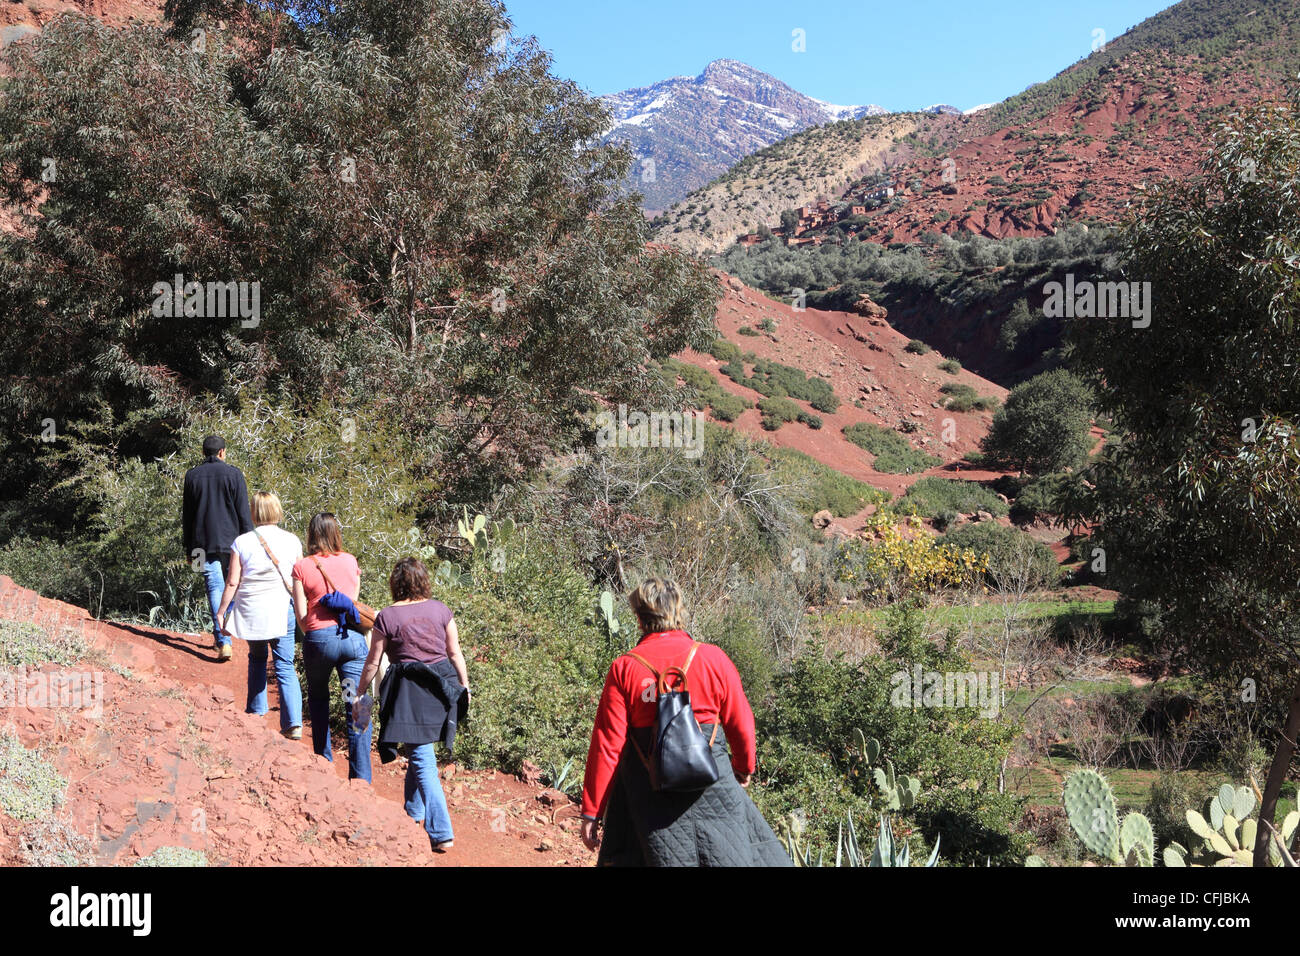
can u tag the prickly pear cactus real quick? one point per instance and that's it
(1228, 836)
(1136, 840)
(1090, 806)
(471, 529)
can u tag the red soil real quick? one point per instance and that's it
(861, 358)
(174, 761)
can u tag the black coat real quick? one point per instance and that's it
(717, 826)
(420, 704)
(215, 508)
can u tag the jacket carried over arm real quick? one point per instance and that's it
(214, 509)
(630, 699)
(421, 703)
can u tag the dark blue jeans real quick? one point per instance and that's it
(324, 651)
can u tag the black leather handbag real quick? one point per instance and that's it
(681, 757)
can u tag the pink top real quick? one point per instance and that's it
(343, 574)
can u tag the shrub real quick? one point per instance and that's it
(1039, 498)
(749, 648)
(812, 421)
(30, 787)
(893, 453)
(724, 351)
(891, 565)
(931, 495)
(1044, 426)
(53, 569)
(747, 330)
(776, 380)
(54, 843)
(174, 856)
(818, 487)
(26, 644)
(727, 407)
(917, 347)
(950, 365)
(1013, 556)
(806, 749)
(777, 411)
(536, 683)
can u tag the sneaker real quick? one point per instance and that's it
(293, 733)
(225, 653)
(442, 847)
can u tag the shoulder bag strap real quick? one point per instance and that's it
(324, 577)
(270, 554)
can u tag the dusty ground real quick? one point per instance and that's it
(174, 761)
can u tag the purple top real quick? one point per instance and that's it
(415, 632)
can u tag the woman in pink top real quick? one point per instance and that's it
(329, 645)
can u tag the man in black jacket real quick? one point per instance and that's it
(214, 513)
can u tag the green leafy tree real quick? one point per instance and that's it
(1044, 425)
(427, 212)
(1198, 501)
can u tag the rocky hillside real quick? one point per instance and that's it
(686, 130)
(1073, 148)
(878, 381)
(817, 163)
(166, 760)
(22, 18)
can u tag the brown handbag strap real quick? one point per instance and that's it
(270, 554)
(325, 577)
(662, 687)
(659, 678)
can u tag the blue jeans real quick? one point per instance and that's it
(286, 677)
(425, 800)
(214, 576)
(324, 651)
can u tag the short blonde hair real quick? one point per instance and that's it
(266, 508)
(659, 606)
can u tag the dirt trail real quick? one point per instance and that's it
(174, 761)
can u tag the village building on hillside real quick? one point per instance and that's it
(816, 215)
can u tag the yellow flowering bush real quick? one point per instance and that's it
(886, 564)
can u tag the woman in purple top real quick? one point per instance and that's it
(417, 628)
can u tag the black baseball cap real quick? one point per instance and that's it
(213, 444)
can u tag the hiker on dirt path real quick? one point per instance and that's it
(425, 692)
(329, 643)
(258, 597)
(214, 512)
(709, 824)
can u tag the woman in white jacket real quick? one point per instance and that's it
(258, 598)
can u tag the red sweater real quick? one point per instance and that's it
(717, 697)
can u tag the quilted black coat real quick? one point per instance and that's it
(718, 826)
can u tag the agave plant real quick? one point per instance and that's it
(848, 849)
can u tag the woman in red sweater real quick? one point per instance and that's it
(716, 826)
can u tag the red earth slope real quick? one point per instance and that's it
(174, 761)
(863, 358)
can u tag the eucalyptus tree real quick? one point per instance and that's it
(1197, 499)
(397, 204)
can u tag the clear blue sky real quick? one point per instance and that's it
(899, 55)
